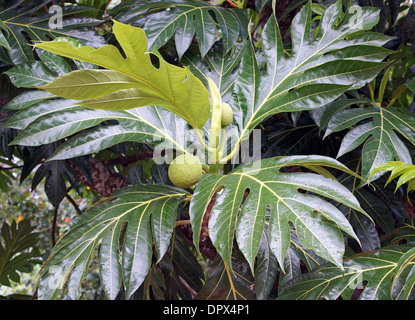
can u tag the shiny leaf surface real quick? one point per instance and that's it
(244, 195)
(145, 211)
(130, 82)
(185, 20)
(223, 283)
(29, 18)
(372, 273)
(377, 128)
(317, 71)
(86, 135)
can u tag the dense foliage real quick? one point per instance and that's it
(306, 186)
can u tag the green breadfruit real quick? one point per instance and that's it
(185, 171)
(227, 114)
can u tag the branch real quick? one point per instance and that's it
(11, 168)
(181, 223)
(232, 4)
(103, 22)
(72, 201)
(54, 222)
(125, 161)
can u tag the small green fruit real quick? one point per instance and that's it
(227, 114)
(185, 171)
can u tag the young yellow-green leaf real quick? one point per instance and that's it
(133, 81)
(405, 172)
(89, 84)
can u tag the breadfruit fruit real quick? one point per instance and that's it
(185, 171)
(227, 114)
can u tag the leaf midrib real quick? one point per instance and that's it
(285, 203)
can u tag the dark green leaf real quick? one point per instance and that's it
(184, 20)
(30, 74)
(318, 69)
(222, 283)
(372, 273)
(17, 250)
(30, 18)
(146, 210)
(317, 222)
(379, 135)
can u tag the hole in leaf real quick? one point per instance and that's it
(288, 169)
(49, 37)
(303, 267)
(29, 40)
(155, 61)
(358, 290)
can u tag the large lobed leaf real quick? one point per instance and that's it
(184, 20)
(129, 82)
(82, 130)
(140, 215)
(381, 275)
(379, 130)
(43, 118)
(25, 20)
(17, 250)
(243, 196)
(318, 70)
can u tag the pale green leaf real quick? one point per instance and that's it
(168, 86)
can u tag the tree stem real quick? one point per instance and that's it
(181, 223)
(72, 201)
(54, 223)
